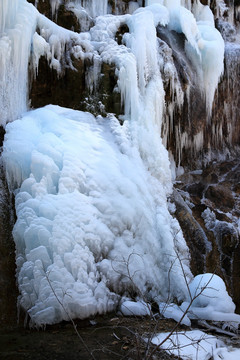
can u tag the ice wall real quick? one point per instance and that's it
(88, 212)
(17, 23)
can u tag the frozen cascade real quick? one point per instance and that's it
(77, 216)
(91, 195)
(78, 198)
(17, 24)
(202, 45)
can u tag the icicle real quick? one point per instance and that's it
(54, 6)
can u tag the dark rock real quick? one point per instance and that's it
(121, 31)
(8, 290)
(43, 7)
(221, 197)
(209, 176)
(68, 90)
(229, 241)
(109, 95)
(221, 216)
(224, 257)
(236, 276)
(68, 20)
(193, 233)
(195, 189)
(236, 188)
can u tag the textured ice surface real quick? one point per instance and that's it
(135, 308)
(17, 24)
(204, 45)
(91, 220)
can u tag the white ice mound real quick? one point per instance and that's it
(209, 300)
(135, 308)
(91, 221)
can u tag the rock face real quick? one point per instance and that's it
(71, 89)
(8, 290)
(213, 199)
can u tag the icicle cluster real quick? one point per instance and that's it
(17, 24)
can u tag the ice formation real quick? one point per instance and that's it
(209, 300)
(86, 215)
(204, 44)
(20, 42)
(17, 24)
(91, 195)
(134, 308)
(196, 344)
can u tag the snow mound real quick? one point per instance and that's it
(209, 300)
(135, 308)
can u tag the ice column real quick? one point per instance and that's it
(204, 44)
(141, 88)
(17, 21)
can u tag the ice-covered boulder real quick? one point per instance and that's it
(209, 300)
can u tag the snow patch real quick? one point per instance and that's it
(189, 344)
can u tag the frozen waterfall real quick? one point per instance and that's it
(91, 195)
